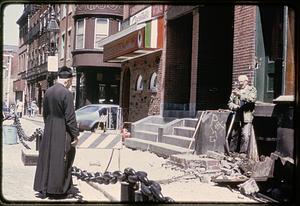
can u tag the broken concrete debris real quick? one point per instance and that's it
(249, 187)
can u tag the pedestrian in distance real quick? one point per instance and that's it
(57, 147)
(242, 103)
(34, 108)
(20, 108)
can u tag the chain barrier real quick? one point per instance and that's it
(37, 134)
(151, 190)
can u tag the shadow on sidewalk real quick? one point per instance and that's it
(74, 193)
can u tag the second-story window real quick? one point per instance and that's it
(79, 44)
(63, 11)
(101, 30)
(62, 47)
(69, 45)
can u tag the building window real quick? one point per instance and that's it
(69, 45)
(101, 30)
(62, 46)
(153, 82)
(139, 83)
(43, 57)
(63, 11)
(70, 8)
(79, 34)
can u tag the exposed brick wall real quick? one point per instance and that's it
(144, 103)
(244, 41)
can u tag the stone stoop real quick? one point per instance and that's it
(145, 138)
(159, 148)
(182, 135)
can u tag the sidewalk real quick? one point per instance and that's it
(18, 179)
(37, 118)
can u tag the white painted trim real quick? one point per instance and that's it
(61, 42)
(153, 38)
(76, 30)
(122, 33)
(107, 31)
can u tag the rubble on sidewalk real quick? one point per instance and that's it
(249, 187)
(218, 168)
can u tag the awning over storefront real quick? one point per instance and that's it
(135, 41)
(19, 85)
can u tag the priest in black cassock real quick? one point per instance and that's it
(57, 147)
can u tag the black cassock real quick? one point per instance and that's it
(56, 155)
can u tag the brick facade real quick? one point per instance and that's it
(145, 102)
(244, 41)
(67, 29)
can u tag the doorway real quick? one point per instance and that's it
(269, 52)
(178, 63)
(126, 94)
(214, 76)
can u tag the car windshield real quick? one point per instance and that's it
(89, 109)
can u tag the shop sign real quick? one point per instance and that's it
(52, 63)
(142, 16)
(124, 45)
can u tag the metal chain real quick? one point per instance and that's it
(149, 188)
(21, 134)
(139, 180)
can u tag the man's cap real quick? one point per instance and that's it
(243, 78)
(65, 72)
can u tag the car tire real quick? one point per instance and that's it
(94, 127)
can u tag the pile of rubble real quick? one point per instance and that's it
(222, 169)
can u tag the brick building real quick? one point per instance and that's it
(10, 73)
(97, 81)
(206, 59)
(138, 47)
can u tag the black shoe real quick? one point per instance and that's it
(56, 196)
(41, 195)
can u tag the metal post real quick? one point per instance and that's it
(284, 52)
(37, 143)
(139, 197)
(127, 192)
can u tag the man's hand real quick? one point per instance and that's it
(236, 92)
(75, 141)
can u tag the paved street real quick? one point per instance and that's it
(17, 179)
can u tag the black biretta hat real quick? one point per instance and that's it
(65, 72)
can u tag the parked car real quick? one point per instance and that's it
(88, 117)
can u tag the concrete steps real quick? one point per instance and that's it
(146, 135)
(159, 148)
(179, 141)
(175, 140)
(153, 127)
(184, 131)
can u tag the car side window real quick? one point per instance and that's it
(114, 110)
(103, 111)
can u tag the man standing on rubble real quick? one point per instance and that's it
(242, 102)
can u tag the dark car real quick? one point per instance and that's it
(88, 117)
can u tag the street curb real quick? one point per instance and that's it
(106, 194)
